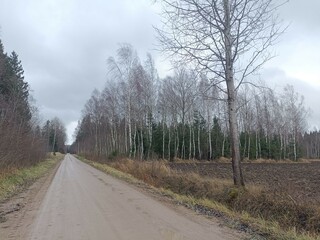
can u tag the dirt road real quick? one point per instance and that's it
(84, 203)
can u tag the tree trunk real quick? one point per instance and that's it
(190, 141)
(257, 149)
(150, 135)
(209, 142)
(130, 138)
(176, 143)
(281, 146)
(193, 143)
(229, 77)
(133, 145)
(245, 144)
(163, 137)
(130, 128)
(222, 148)
(234, 139)
(294, 146)
(249, 146)
(259, 145)
(54, 141)
(169, 142)
(183, 150)
(199, 144)
(141, 143)
(125, 137)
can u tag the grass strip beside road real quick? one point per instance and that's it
(259, 228)
(14, 180)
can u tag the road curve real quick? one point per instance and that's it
(84, 203)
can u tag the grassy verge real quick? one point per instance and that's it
(249, 209)
(13, 180)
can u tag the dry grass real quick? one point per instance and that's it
(13, 180)
(263, 160)
(224, 160)
(280, 210)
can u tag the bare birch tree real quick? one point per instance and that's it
(227, 39)
(122, 70)
(295, 116)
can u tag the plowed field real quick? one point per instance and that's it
(299, 181)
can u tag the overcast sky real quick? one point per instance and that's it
(64, 44)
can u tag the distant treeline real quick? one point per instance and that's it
(185, 116)
(23, 141)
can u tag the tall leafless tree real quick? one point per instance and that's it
(122, 69)
(227, 39)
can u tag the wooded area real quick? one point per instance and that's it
(141, 116)
(216, 47)
(23, 141)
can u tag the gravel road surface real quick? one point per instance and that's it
(84, 203)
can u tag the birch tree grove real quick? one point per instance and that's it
(181, 117)
(226, 39)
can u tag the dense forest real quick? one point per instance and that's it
(185, 116)
(24, 139)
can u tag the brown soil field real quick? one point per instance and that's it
(298, 181)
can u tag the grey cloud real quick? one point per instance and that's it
(64, 45)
